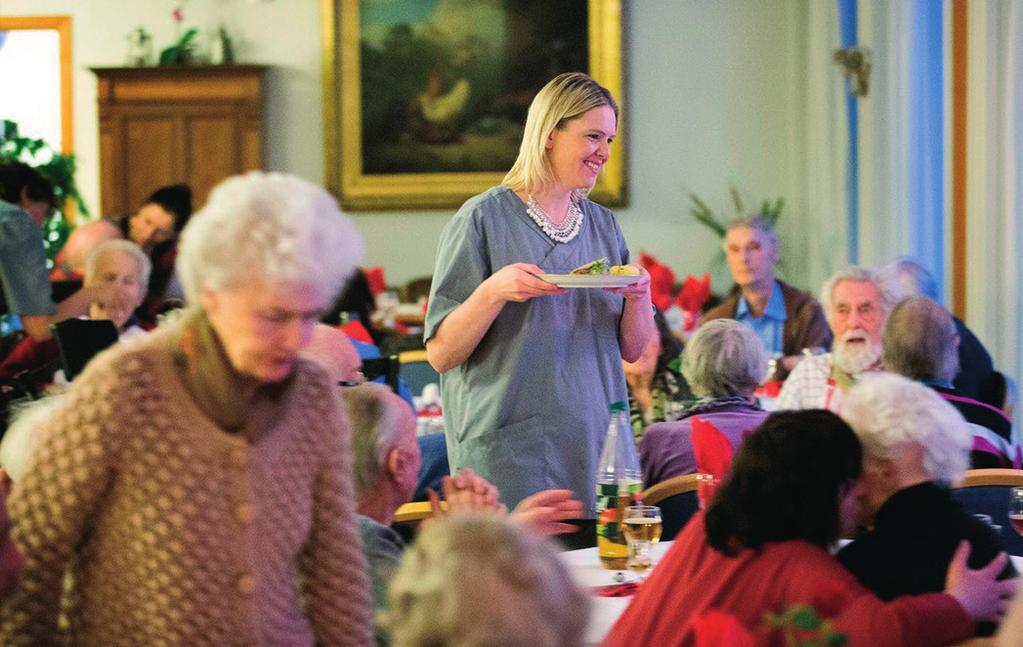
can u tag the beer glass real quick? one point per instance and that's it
(642, 531)
(1016, 509)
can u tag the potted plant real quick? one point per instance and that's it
(56, 167)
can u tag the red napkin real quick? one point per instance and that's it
(616, 590)
(711, 447)
(375, 278)
(662, 281)
(694, 293)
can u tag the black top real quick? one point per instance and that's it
(915, 533)
(984, 415)
(975, 364)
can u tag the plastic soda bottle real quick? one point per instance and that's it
(618, 486)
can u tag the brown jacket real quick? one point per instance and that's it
(805, 325)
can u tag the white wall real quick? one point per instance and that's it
(712, 98)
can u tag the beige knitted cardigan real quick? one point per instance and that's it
(174, 532)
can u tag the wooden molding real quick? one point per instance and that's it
(960, 49)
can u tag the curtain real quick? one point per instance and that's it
(994, 268)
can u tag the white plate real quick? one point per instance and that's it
(589, 280)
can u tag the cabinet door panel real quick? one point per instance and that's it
(150, 151)
(212, 152)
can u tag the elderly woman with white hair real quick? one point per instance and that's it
(480, 579)
(723, 363)
(915, 446)
(194, 488)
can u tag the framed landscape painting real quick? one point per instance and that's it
(425, 100)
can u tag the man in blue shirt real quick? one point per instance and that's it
(786, 319)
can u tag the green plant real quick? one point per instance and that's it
(180, 53)
(58, 168)
(802, 627)
(769, 211)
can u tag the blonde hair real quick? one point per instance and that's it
(566, 97)
(479, 580)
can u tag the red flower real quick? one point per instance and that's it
(711, 447)
(719, 629)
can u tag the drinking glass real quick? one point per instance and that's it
(1016, 509)
(642, 531)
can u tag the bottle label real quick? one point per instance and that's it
(612, 500)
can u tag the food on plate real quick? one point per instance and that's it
(603, 266)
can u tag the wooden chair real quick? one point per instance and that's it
(678, 502)
(416, 371)
(986, 491)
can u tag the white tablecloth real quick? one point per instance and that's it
(587, 571)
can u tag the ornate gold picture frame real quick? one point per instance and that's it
(424, 101)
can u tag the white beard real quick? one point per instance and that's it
(855, 358)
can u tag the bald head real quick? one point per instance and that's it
(83, 240)
(331, 349)
(920, 341)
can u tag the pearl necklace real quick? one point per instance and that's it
(564, 232)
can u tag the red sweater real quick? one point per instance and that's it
(694, 578)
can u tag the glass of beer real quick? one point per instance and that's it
(642, 531)
(1016, 509)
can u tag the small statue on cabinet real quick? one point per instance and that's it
(140, 48)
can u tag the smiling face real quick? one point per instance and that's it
(751, 256)
(151, 226)
(579, 150)
(263, 326)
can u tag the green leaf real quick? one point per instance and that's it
(835, 639)
(804, 617)
(738, 201)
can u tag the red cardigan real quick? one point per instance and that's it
(694, 578)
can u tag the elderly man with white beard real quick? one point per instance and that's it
(856, 302)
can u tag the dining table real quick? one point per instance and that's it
(608, 596)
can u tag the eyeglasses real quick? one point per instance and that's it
(359, 379)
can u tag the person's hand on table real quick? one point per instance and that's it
(638, 290)
(546, 511)
(518, 282)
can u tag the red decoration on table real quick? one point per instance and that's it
(662, 281)
(692, 296)
(375, 279)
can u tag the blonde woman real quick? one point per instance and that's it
(528, 368)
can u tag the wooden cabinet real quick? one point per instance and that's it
(162, 125)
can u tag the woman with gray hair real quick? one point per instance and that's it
(915, 446)
(479, 579)
(723, 363)
(194, 488)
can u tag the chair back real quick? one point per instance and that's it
(986, 491)
(416, 370)
(386, 367)
(678, 502)
(79, 340)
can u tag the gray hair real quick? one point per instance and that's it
(107, 248)
(374, 420)
(479, 579)
(910, 278)
(887, 411)
(757, 223)
(920, 341)
(856, 274)
(267, 226)
(724, 358)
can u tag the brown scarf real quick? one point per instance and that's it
(235, 402)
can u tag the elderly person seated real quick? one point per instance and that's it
(116, 271)
(920, 343)
(786, 319)
(657, 391)
(723, 363)
(194, 487)
(915, 445)
(856, 303)
(910, 278)
(763, 546)
(479, 580)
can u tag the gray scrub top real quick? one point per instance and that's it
(528, 410)
(23, 277)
